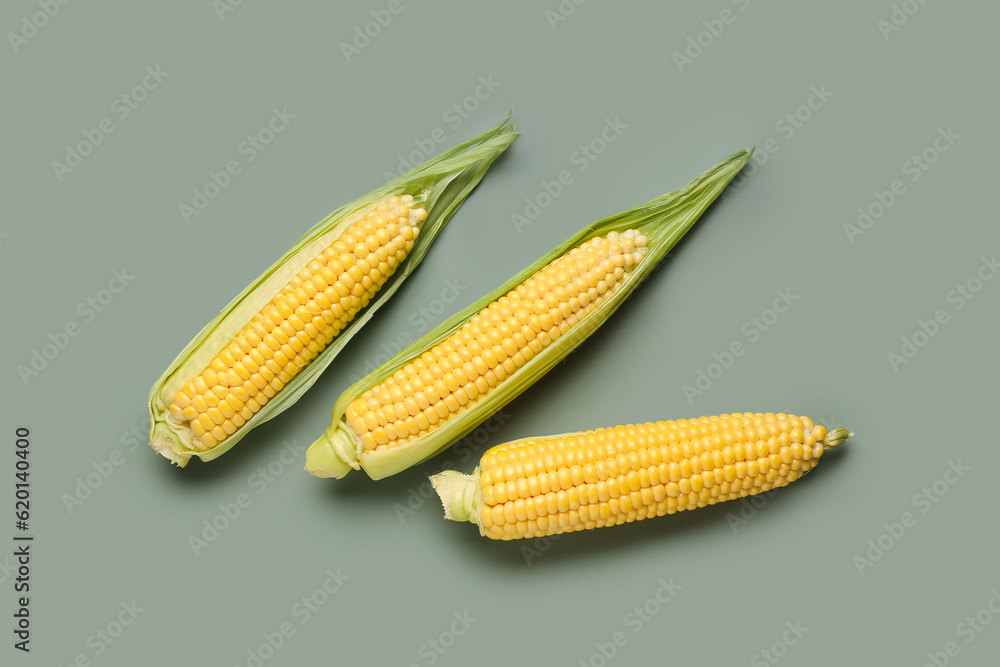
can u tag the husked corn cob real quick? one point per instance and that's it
(297, 324)
(271, 343)
(452, 379)
(579, 481)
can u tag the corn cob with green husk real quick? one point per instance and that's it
(269, 345)
(579, 481)
(455, 377)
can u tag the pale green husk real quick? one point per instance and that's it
(460, 494)
(663, 220)
(440, 185)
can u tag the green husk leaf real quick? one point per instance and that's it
(440, 185)
(663, 221)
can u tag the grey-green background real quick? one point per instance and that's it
(746, 574)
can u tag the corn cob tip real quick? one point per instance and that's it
(836, 437)
(459, 494)
(333, 455)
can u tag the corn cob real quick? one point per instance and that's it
(456, 376)
(271, 343)
(297, 324)
(579, 481)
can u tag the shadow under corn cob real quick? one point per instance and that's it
(270, 344)
(445, 384)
